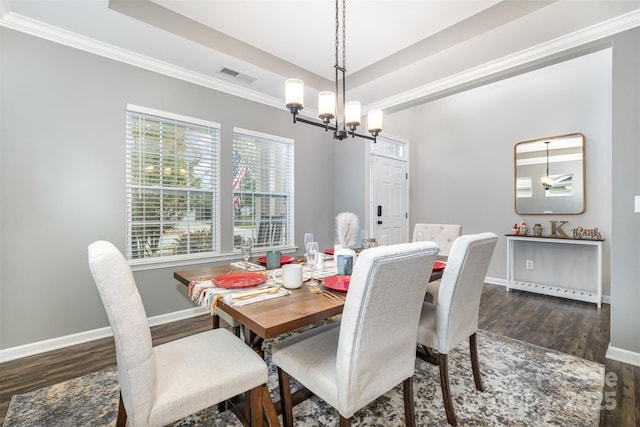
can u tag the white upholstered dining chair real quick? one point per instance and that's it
(444, 235)
(162, 384)
(454, 316)
(373, 348)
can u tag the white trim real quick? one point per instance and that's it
(172, 262)
(31, 349)
(535, 53)
(495, 281)
(58, 35)
(261, 135)
(622, 355)
(606, 299)
(86, 336)
(543, 50)
(172, 116)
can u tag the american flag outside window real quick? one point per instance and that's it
(240, 169)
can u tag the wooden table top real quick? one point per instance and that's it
(276, 316)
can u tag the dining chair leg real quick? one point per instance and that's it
(345, 422)
(446, 393)
(286, 406)
(121, 421)
(409, 408)
(473, 346)
(255, 401)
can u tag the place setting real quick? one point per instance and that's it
(238, 288)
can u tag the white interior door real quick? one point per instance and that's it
(389, 204)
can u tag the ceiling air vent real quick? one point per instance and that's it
(236, 75)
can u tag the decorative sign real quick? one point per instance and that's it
(556, 230)
(589, 233)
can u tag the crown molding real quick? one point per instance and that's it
(77, 41)
(518, 59)
(502, 65)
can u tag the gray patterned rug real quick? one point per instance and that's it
(525, 385)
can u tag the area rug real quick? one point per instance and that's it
(525, 385)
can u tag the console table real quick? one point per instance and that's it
(588, 295)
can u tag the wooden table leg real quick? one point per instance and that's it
(269, 409)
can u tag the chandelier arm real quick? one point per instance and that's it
(337, 134)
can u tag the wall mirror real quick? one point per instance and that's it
(549, 175)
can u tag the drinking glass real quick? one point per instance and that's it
(364, 236)
(308, 237)
(245, 248)
(312, 259)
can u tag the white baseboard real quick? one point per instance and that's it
(86, 336)
(495, 281)
(606, 299)
(622, 355)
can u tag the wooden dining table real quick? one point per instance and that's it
(276, 316)
(271, 318)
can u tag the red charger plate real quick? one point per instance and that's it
(439, 265)
(284, 259)
(337, 283)
(239, 280)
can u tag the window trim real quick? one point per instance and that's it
(290, 247)
(174, 260)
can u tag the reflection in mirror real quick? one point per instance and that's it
(549, 175)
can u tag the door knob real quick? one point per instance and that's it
(379, 222)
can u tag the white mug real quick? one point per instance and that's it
(292, 276)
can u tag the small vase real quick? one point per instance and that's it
(537, 230)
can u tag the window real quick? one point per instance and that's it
(262, 189)
(171, 184)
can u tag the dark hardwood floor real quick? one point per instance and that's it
(570, 327)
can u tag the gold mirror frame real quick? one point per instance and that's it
(566, 171)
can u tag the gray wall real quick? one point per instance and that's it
(63, 178)
(62, 173)
(625, 246)
(462, 158)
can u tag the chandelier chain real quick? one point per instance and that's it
(344, 34)
(337, 33)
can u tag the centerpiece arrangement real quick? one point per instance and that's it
(347, 232)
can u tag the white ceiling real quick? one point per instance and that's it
(303, 32)
(399, 52)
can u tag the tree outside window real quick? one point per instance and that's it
(172, 180)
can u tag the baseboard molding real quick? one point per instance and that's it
(95, 334)
(86, 336)
(606, 299)
(622, 355)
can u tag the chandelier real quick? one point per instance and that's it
(546, 181)
(328, 105)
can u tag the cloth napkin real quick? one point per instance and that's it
(250, 266)
(206, 294)
(330, 269)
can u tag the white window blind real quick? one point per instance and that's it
(262, 189)
(171, 184)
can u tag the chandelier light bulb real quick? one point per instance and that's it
(352, 114)
(326, 106)
(374, 121)
(294, 94)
